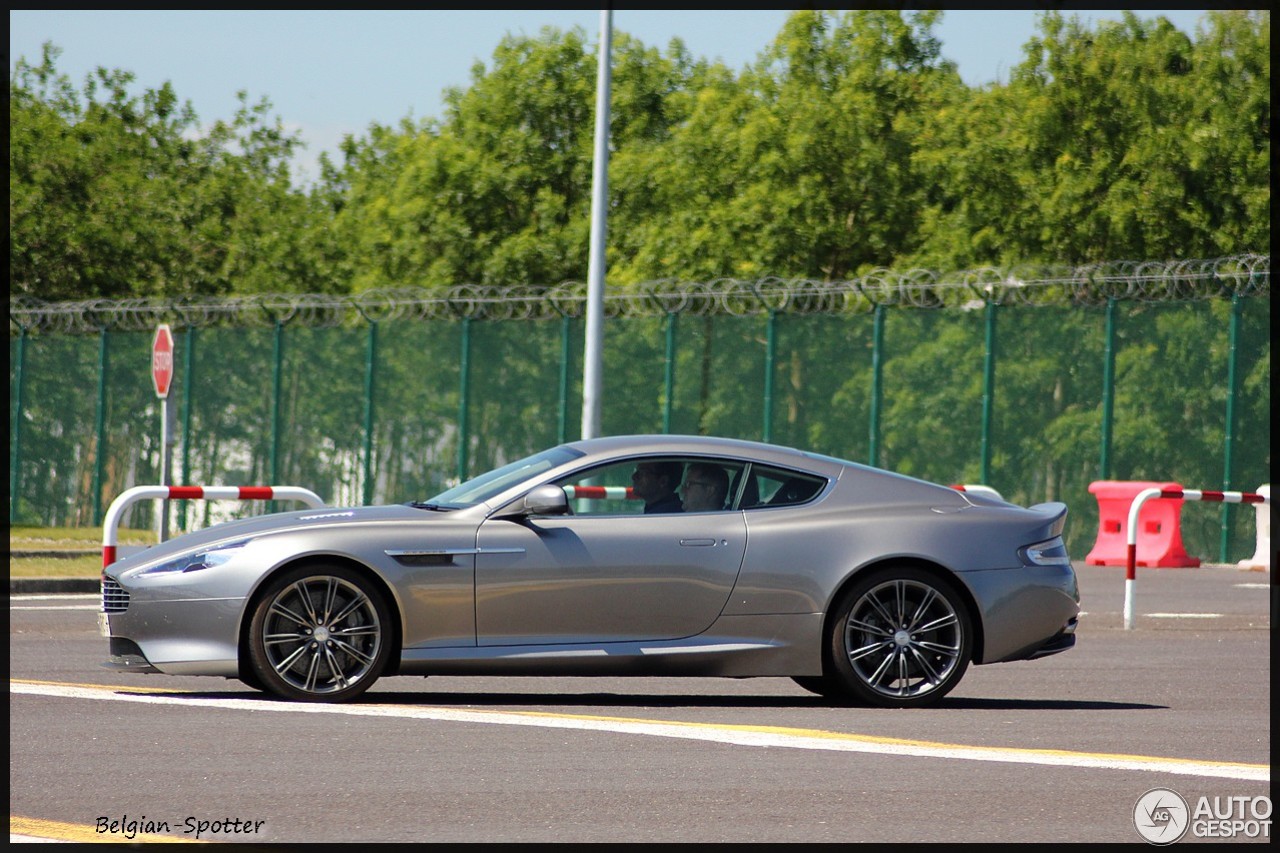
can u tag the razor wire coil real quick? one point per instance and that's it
(1090, 284)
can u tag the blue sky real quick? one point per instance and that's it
(330, 73)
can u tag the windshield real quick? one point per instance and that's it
(480, 489)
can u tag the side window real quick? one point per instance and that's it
(651, 485)
(708, 484)
(603, 491)
(779, 487)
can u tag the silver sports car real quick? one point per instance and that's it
(620, 556)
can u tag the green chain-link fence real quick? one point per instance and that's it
(1033, 385)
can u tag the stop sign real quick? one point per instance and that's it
(162, 360)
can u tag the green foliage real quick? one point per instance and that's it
(850, 144)
(1128, 140)
(117, 195)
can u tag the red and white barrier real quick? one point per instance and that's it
(613, 493)
(982, 490)
(1143, 496)
(1261, 559)
(128, 497)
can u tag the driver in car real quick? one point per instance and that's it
(655, 483)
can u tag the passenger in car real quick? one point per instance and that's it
(655, 483)
(705, 487)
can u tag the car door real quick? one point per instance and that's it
(604, 578)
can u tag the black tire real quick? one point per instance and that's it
(320, 634)
(249, 678)
(827, 686)
(901, 638)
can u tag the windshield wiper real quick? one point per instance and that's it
(431, 506)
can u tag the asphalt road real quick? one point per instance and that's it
(1056, 750)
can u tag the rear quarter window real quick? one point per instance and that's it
(768, 487)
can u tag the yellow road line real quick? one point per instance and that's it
(43, 830)
(727, 733)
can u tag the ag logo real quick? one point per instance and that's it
(1161, 816)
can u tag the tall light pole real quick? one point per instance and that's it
(593, 360)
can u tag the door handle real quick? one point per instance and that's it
(697, 543)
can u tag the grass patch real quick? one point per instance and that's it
(56, 567)
(64, 552)
(70, 538)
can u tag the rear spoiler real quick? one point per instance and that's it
(1053, 512)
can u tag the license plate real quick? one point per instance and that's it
(104, 625)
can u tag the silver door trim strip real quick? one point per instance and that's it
(450, 552)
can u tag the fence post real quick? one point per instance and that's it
(669, 373)
(877, 377)
(770, 350)
(562, 430)
(464, 399)
(188, 368)
(15, 425)
(1108, 389)
(277, 383)
(1233, 338)
(100, 421)
(988, 390)
(371, 356)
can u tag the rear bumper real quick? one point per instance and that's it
(1059, 642)
(1027, 612)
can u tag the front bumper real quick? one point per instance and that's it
(150, 631)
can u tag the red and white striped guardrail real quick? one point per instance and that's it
(1131, 539)
(615, 493)
(128, 497)
(982, 490)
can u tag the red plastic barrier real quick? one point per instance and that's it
(1159, 539)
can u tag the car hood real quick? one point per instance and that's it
(276, 523)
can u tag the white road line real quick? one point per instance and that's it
(94, 597)
(57, 607)
(758, 736)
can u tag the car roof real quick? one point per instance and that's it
(713, 446)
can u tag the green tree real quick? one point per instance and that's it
(250, 229)
(92, 198)
(113, 194)
(1126, 140)
(499, 190)
(1228, 125)
(803, 166)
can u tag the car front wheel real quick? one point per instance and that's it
(901, 638)
(319, 634)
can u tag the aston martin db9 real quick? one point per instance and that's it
(620, 556)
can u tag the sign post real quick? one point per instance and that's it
(162, 377)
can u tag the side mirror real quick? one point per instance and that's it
(544, 500)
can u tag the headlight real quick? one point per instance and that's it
(1051, 552)
(194, 561)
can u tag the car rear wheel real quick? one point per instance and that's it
(319, 634)
(827, 686)
(902, 638)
